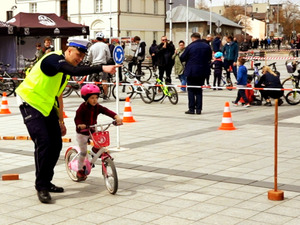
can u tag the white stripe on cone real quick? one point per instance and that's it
(226, 120)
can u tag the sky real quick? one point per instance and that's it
(221, 2)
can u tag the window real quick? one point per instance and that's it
(256, 9)
(129, 5)
(33, 7)
(155, 35)
(99, 6)
(155, 7)
(128, 33)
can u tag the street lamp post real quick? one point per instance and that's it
(187, 23)
(170, 3)
(210, 28)
(245, 23)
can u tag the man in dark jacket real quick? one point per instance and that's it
(216, 44)
(197, 56)
(231, 53)
(164, 54)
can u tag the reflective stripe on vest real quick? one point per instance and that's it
(39, 90)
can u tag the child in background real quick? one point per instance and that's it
(242, 77)
(249, 92)
(217, 65)
(86, 115)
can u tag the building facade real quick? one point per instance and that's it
(115, 18)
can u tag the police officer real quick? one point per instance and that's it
(41, 105)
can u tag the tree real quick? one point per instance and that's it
(231, 12)
(201, 5)
(289, 19)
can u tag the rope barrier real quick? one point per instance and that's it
(270, 58)
(179, 86)
(269, 50)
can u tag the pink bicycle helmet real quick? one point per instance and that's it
(88, 90)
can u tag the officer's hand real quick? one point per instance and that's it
(110, 69)
(63, 129)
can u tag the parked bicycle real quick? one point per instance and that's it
(146, 70)
(292, 97)
(162, 91)
(74, 84)
(6, 82)
(101, 142)
(131, 84)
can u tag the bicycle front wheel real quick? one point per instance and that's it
(173, 95)
(288, 82)
(7, 85)
(110, 176)
(293, 97)
(71, 155)
(125, 90)
(147, 93)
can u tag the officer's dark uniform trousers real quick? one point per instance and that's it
(46, 134)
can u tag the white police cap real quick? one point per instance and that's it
(100, 35)
(81, 44)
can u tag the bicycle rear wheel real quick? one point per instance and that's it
(110, 176)
(158, 94)
(147, 93)
(173, 95)
(288, 82)
(68, 90)
(292, 53)
(125, 90)
(7, 85)
(71, 154)
(146, 73)
(293, 97)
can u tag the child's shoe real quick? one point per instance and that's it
(81, 174)
(234, 104)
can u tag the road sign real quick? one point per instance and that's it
(219, 23)
(118, 54)
(218, 30)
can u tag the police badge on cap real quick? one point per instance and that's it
(81, 44)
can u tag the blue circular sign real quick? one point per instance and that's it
(118, 54)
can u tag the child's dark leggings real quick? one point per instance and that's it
(241, 93)
(217, 79)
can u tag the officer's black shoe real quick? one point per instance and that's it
(56, 189)
(44, 196)
(198, 111)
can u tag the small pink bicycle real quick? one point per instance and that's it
(101, 141)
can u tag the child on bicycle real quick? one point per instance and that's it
(86, 115)
(242, 78)
(217, 65)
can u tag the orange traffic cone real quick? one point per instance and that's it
(127, 115)
(227, 120)
(4, 105)
(65, 115)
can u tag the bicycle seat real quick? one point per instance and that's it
(257, 64)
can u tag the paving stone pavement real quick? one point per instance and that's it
(177, 169)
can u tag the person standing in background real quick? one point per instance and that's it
(179, 66)
(152, 52)
(197, 56)
(165, 63)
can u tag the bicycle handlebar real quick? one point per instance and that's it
(101, 125)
